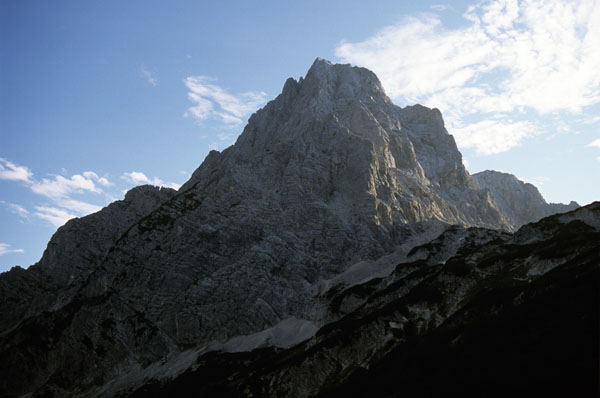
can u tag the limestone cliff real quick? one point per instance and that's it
(521, 202)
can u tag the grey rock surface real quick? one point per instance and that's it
(328, 181)
(72, 254)
(519, 201)
(433, 327)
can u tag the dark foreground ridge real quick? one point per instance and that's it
(509, 335)
(338, 242)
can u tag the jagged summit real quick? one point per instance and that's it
(330, 184)
(343, 84)
(335, 138)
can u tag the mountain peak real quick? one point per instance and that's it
(321, 62)
(328, 180)
(343, 82)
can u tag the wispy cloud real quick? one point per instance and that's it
(10, 171)
(60, 187)
(63, 194)
(79, 207)
(61, 190)
(488, 137)
(439, 7)
(591, 120)
(54, 215)
(5, 249)
(537, 181)
(148, 75)
(16, 209)
(213, 102)
(511, 56)
(595, 143)
(101, 180)
(139, 178)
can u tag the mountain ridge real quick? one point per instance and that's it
(509, 325)
(508, 191)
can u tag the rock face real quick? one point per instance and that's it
(329, 185)
(520, 202)
(72, 255)
(504, 314)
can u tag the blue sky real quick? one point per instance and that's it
(97, 97)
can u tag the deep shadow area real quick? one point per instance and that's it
(534, 340)
(540, 342)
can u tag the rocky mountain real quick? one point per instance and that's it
(327, 190)
(502, 315)
(521, 202)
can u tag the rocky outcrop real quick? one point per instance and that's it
(73, 253)
(509, 314)
(330, 185)
(520, 202)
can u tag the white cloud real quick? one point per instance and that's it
(492, 136)
(62, 192)
(16, 209)
(61, 187)
(512, 56)
(78, 206)
(101, 180)
(439, 7)
(10, 171)
(595, 143)
(139, 178)
(5, 248)
(54, 215)
(148, 75)
(136, 177)
(591, 120)
(212, 101)
(537, 181)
